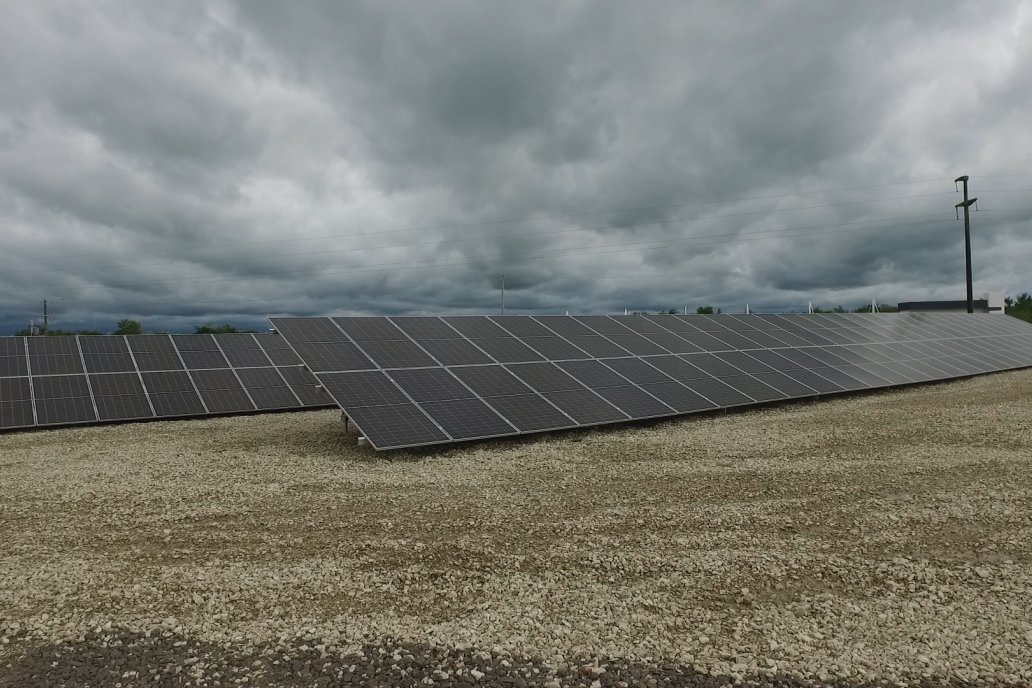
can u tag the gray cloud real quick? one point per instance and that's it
(220, 161)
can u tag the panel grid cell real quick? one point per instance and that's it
(12, 357)
(120, 396)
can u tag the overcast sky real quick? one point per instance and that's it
(192, 162)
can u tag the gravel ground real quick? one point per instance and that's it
(883, 538)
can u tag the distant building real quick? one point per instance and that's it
(989, 303)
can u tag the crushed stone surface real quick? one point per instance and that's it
(879, 539)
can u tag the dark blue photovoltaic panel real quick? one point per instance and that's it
(678, 397)
(718, 392)
(672, 343)
(12, 357)
(593, 374)
(267, 389)
(15, 403)
(364, 388)
(172, 394)
(139, 377)
(396, 425)
(555, 348)
(585, 407)
(221, 391)
(677, 368)
(431, 384)
(199, 351)
(530, 412)
(544, 377)
(305, 385)
(120, 396)
(815, 381)
(106, 355)
(598, 346)
(154, 352)
(397, 353)
(612, 368)
(54, 356)
(507, 349)
(467, 418)
(634, 401)
(62, 399)
(637, 370)
(242, 351)
(491, 380)
(454, 351)
(421, 327)
(277, 349)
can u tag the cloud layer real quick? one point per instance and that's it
(219, 161)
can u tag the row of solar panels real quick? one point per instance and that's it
(410, 381)
(47, 381)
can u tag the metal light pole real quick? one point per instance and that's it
(966, 204)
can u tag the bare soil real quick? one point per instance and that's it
(881, 537)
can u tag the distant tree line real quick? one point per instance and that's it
(1020, 307)
(135, 327)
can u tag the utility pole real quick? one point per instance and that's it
(46, 319)
(966, 204)
(503, 294)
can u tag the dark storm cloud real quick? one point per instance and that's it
(215, 161)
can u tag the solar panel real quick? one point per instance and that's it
(678, 397)
(15, 403)
(172, 394)
(199, 351)
(154, 352)
(439, 379)
(277, 349)
(63, 399)
(634, 401)
(108, 354)
(120, 396)
(242, 351)
(268, 389)
(431, 384)
(138, 377)
(585, 407)
(468, 419)
(221, 391)
(12, 357)
(397, 425)
(54, 356)
(491, 381)
(454, 351)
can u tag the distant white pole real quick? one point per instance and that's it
(686, 310)
(747, 309)
(625, 311)
(809, 308)
(874, 305)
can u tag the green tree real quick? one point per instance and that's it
(219, 329)
(1020, 307)
(882, 308)
(129, 327)
(706, 310)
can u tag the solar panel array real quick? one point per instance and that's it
(48, 381)
(412, 381)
